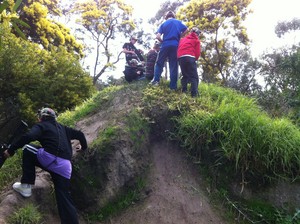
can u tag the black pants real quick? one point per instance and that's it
(188, 68)
(65, 205)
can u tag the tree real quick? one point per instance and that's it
(8, 16)
(281, 72)
(287, 26)
(104, 21)
(32, 77)
(222, 34)
(43, 29)
(244, 72)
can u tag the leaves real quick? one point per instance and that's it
(222, 30)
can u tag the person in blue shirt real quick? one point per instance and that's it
(169, 34)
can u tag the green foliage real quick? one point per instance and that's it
(26, 215)
(286, 26)
(8, 16)
(243, 133)
(105, 141)
(137, 127)
(31, 78)
(104, 22)
(43, 29)
(258, 211)
(70, 117)
(221, 25)
(281, 71)
(10, 170)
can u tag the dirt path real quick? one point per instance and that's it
(176, 195)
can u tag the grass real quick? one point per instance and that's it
(70, 117)
(243, 134)
(232, 127)
(28, 214)
(10, 170)
(137, 127)
(240, 139)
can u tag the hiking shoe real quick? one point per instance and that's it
(154, 83)
(23, 189)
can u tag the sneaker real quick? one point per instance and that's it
(154, 83)
(23, 189)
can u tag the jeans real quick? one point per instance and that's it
(167, 52)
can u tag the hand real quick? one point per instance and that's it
(6, 154)
(80, 149)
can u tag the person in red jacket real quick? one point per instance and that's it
(188, 53)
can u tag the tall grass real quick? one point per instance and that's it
(242, 132)
(70, 117)
(10, 170)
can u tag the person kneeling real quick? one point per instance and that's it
(134, 71)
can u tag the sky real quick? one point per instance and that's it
(260, 24)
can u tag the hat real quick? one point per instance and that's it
(196, 30)
(133, 62)
(46, 112)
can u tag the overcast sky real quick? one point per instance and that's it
(260, 24)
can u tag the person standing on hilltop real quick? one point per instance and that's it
(188, 53)
(131, 52)
(169, 34)
(150, 60)
(54, 155)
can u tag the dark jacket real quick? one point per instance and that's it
(54, 138)
(137, 55)
(150, 62)
(133, 73)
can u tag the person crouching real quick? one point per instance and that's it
(134, 71)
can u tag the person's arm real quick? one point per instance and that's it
(125, 49)
(78, 135)
(30, 136)
(128, 51)
(158, 37)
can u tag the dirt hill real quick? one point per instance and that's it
(131, 132)
(176, 193)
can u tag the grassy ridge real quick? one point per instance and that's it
(245, 134)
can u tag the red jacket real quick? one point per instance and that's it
(189, 46)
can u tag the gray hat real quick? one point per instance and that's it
(196, 30)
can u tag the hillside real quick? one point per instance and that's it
(136, 171)
(175, 193)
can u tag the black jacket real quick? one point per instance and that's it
(54, 138)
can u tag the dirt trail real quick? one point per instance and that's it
(176, 194)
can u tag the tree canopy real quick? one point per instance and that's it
(32, 77)
(222, 33)
(43, 28)
(104, 21)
